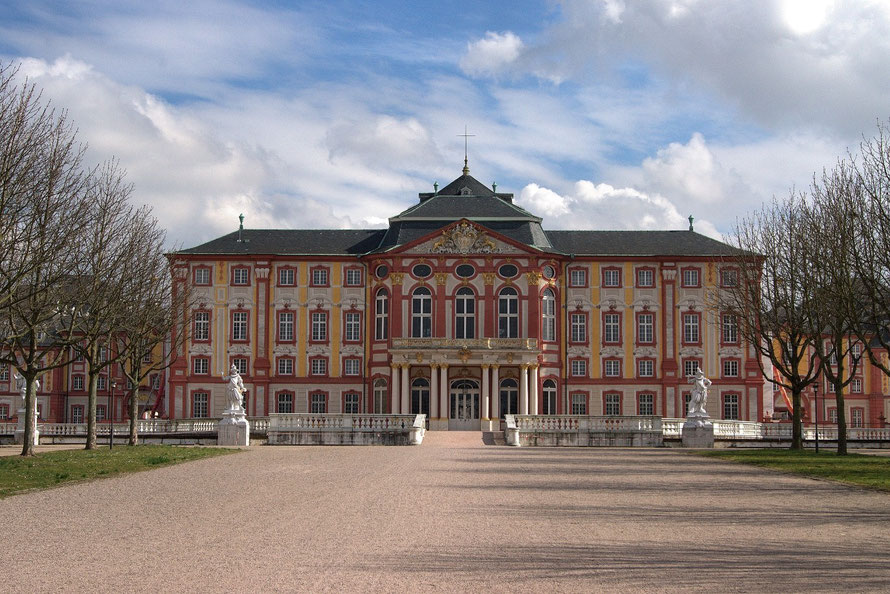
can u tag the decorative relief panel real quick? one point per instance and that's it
(465, 239)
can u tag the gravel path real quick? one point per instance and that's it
(450, 515)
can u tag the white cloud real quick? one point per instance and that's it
(688, 170)
(491, 54)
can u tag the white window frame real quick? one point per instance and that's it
(241, 364)
(285, 366)
(284, 403)
(612, 368)
(353, 277)
(579, 404)
(319, 277)
(731, 406)
(730, 329)
(285, 326)
(421, 313)
(691, 328)
(612, 404)
(691, 277)
(353, 326)
(646, 328)
(612, 328)
(318, 366)
(352, 366)
(577, 277)
(508, 313)
(239, 325)
(579, 367)
(200, 405)
(319, 326)
(646, 368)
(643, 282)
(611, 277)
(579, 327)
(200, 365)
(381, 315)
(465, 313)
(318, 403)
(286, 277)
(730, 368)
(241, 276)
(351, 403)
(646, 404)
(548, 316)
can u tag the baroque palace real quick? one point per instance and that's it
(464, 309)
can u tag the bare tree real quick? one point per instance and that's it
(833, 304)
(42, 215)
(768, 301)
(154, 316)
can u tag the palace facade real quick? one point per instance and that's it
(465, 309)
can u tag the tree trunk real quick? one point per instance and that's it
(134, 410)
(91, 412)
(30, 417)
(796, 424)
(841, 419)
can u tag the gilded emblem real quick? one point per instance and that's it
(464, 239)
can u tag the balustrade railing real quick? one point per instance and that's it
(340, 422)
(579, 423)
(469, 343)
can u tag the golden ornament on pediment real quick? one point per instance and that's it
(441, 278)
(534, 277)
(488, 278)
(397, 277)
(419, 357)
(464, 354)
(465, 238)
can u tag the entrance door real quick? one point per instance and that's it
(463, 413)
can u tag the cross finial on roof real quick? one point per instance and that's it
(466, 136)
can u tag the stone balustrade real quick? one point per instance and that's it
(345, 429)
(513, 344)
(583, 430)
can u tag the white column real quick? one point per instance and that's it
(394, 376)
(434, 392)
(486, 398)
(443, 392)
(495, 394)
(533, 391)
(406, 405)
(523, 389)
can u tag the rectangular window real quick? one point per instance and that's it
(612, 406)
(579, 404)
(832, 415)
(612, 368)
(856, 350)
(691, 328)
(690, 366)
(730, 328)
(239, 325)
(4, 412)
(687, 402)
(645, 368)
(579, 368)
(856, 386)
(381, 316)
(285, 326)
(690, 277)
(319, 326)
(200, 402)
(202, 276)
(353, 326)
(4, 373)
(240, 364)
(77, 414)
(77, 383)
(202, 326)
(319, 277)
(353, 277)
(351, 403)
(645, 328)
(729, 277)
(646, 405)
(285, 402)
(612, 328)
(285, 366)
(730, 368)
(579, 327)
(352, 366)
(645, 277)
(100, 412)
(731, 406)
(146, 358)
(101, 383)
(318, 366)
(611, 277)
(201, 366)
(286, 277)
(241, 276)
(318, 403)
(577, 277)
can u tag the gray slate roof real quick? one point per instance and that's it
(638, 243)
(298, 242)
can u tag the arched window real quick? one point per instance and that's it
(509, 395)
(420, 397)
(508, 313)
(549, 392)
(380, 392)
(548, 316)
(381, 315)
(421, 313)
(465, 313)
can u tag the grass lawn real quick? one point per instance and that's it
(853, 469)
(49, 469)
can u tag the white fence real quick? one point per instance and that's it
(343, 429)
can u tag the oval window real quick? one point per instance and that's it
(549, 271)
(508, 271)
(465, 271)
(422, 271)
(381, 271)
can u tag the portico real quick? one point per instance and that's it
(464, 385)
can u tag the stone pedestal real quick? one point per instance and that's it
(234, 430)
(698, 432)
(20, 429)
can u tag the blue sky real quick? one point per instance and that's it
(594, 113)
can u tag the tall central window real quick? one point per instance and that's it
(645, 327)
(353, 326)
(690, 328)
(508, 314)
(202, 326)
(381, 316)
(465, 314)
(239, 325)
(548, 316)
(612, 328)
(319, 326)
(285, 326)
(579, 327)
(421, 313)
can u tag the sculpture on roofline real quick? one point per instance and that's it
(235, 390)
(699, 394)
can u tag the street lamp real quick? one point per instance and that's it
(111, 415)
(816, 398)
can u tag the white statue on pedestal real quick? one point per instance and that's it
(22, 385)
(235, 389)
(699, 394)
